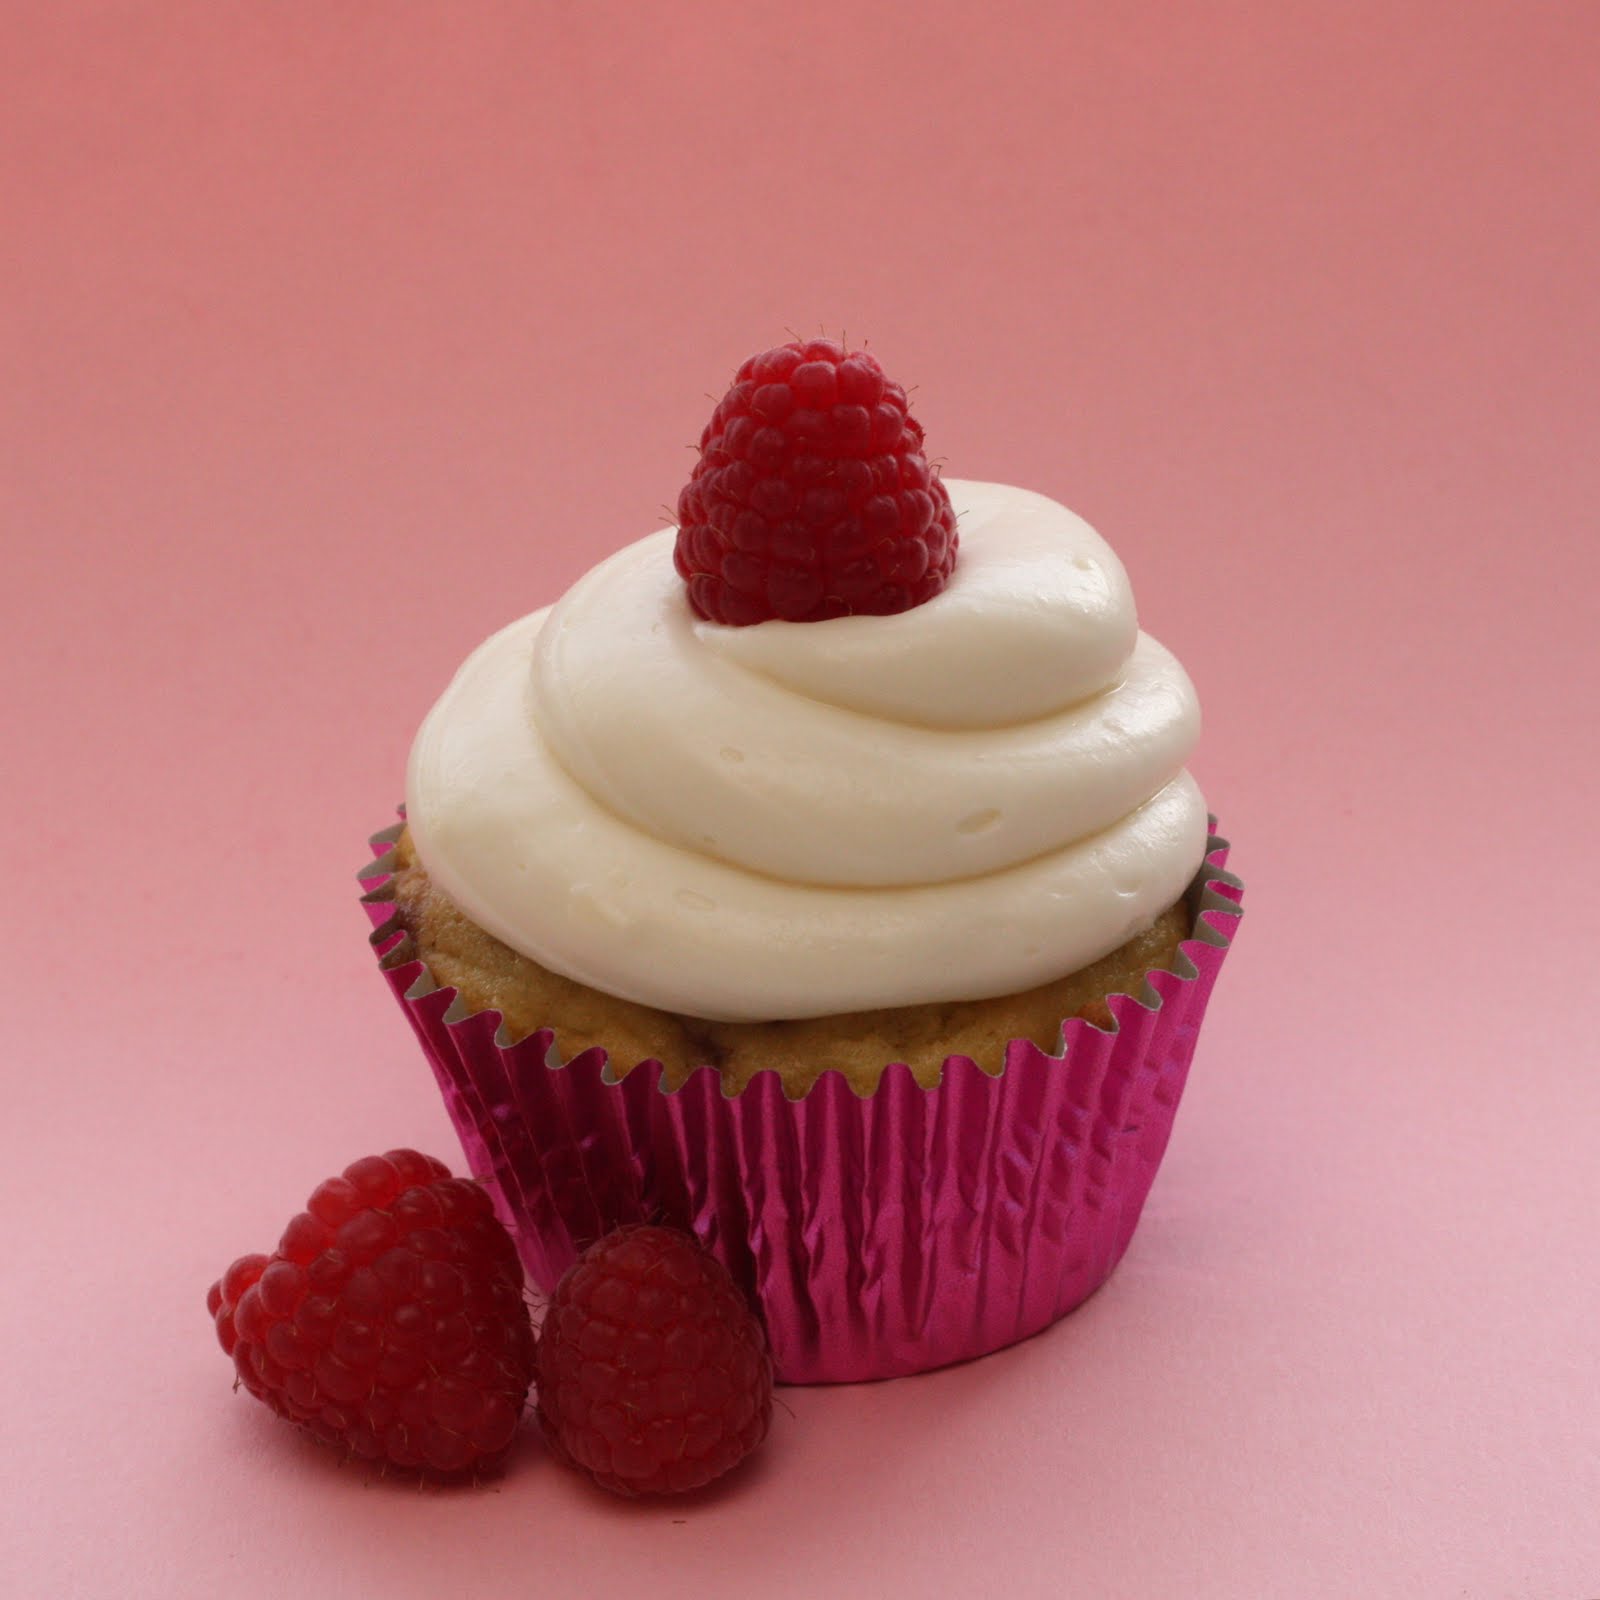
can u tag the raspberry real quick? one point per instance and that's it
(389, 1320)
(812, 497)
(653, 1372)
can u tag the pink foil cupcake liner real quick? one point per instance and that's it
(879, 1235)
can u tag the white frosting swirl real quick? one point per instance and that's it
(795, 819)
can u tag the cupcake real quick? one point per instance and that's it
(822, 874)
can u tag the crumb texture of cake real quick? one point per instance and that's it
(490, 976)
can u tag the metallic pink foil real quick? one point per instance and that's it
(880, 1235)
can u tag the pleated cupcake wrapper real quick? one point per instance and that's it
(879, 1235)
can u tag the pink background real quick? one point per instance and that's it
(334, 335)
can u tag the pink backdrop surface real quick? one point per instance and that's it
(332, 336)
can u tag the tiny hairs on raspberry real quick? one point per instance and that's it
(812, 497)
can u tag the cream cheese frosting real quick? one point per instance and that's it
(796, 819)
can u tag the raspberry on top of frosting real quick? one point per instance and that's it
(812, 498)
